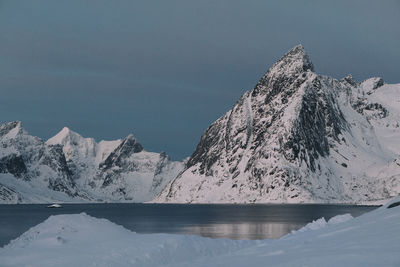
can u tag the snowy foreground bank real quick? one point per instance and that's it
(372, 239)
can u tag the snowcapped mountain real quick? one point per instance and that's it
(298, 137)
(69, 168)
(27, 163)
(120, 170)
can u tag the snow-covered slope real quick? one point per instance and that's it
(69, 168)
(80, 240)
(298, 137)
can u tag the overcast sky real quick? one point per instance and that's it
(165, 70)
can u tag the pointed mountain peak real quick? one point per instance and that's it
(298, 49)
(296, 59)
(293, 65)
(63, 136)
(11, 129)
(349, 79)
(65, 131)
(130, 143)
(12, 125)
(18, 124)
(130, 137)
(125, 149)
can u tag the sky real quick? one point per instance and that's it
(165, 70)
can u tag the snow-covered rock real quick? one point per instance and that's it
(298, 137)
(80, 240)
(29, 160)
(69, 167)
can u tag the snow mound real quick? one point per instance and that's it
(82, 240)
(340, 218)
(321, 222)
(314, 225)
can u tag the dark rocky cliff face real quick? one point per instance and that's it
(317, 119)
(13, 164)
(54, 158)
(118, 160)
(128, 146)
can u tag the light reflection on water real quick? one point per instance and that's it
(255, 221)
(242, 230)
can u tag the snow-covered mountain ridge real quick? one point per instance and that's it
(71, 168)
(298, 137)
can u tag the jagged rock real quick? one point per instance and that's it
(13, 164)
(8, 196)
(117, 158)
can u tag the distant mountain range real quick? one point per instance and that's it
(296, 137)
(70, 168)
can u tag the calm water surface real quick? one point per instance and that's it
(255, 221)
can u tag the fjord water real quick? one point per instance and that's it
(256, 221)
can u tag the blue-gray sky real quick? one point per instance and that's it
(164, 70)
